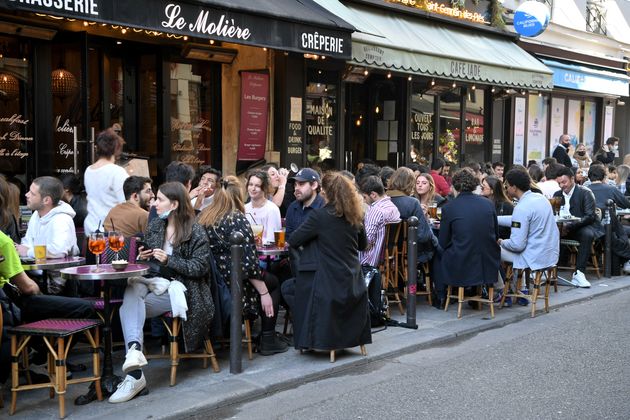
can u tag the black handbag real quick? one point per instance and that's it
(222, 297)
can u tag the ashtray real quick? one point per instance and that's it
(119, 265)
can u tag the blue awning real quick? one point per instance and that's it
(588, 79)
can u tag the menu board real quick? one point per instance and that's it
(254, 115)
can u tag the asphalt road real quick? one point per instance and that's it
(573, 363)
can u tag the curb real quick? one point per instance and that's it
(447, 337)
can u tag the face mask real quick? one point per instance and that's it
(165, 215)
(581, 153)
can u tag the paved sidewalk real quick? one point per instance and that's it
(199, 389)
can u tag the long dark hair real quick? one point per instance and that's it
(342, 195)
(498, 192)
(183, 215)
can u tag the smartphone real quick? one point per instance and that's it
(142, 244)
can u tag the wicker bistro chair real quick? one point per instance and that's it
(521, 277)
(573, 246)
(476, 298)
(389, 266)
(57, 335)
(173, 327)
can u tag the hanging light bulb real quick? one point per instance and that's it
(124, 31)
(474, 87)
(365, 72)
(389, 75)
(377, 110)
(454, 85)
(493, 89)
(358, 122)
(409, 78)
(540, 94)
(432, 82)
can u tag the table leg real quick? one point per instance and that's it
(109, 381)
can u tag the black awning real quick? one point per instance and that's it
(292, 25)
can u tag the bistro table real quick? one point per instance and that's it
(272, 251)
(50, 264)
(105, 274)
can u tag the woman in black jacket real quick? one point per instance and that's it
(331, 302)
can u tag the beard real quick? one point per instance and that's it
(303, 197)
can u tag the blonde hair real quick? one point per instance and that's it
(402, 180)
(226, 199)
(343, 196)
(431, 193)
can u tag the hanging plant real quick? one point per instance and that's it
(496, 11)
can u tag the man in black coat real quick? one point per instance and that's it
(469, 254)
(581, 204)
(561, 151)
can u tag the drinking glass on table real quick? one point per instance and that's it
(96, 245)
(257, 230)
(116, 241)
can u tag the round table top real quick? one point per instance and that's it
(106, 272)
(52, 263)
(566, 219)
(272, 250)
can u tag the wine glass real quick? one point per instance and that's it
(116, 241)
(96, 245)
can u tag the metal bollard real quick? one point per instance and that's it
(612, 212)
(236, 318)
(412, 271)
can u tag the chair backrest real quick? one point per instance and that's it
(128, 252)
(392, 234)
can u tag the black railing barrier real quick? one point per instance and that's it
(412, 272)
(236, 318)
(611, 213)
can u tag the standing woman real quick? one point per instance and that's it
(221, 219)
(331, 303)
(104, 180)
(492, 188)
(260, 210)
(179, 248)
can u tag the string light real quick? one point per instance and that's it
(432, 82)
(409, 78)
(474, 87)
(493, 89)
(454, 85)
(389, 75)
(365, 72)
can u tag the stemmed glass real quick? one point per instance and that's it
(116, 241)
(96, 245)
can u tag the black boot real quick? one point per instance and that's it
(270, 344)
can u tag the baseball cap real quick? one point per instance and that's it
(307, 175)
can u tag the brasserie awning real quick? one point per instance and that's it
(431, 48)
(293, 25)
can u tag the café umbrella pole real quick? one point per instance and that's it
(236, 317)
(412, 271)
(611, 212)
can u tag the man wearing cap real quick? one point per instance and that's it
(307, 184)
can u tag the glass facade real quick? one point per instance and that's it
(321, 116)
(421, 126)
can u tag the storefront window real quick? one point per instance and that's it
(147, 115)
(16, 122)
(537, 128)
(67, 108)
(116, 114)
(191, 113)
(474, 128)
(450, 123)
(421, 126)
(321, 116)
(385, 112)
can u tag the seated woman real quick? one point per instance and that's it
(222, 218)
(492, 188)
(425, 192)
(178, 247)
(260, 210)
(331, 303)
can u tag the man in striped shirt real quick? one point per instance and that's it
(381, 210)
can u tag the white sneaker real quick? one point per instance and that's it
(626, 267)
(128, 388)
(134, 359)
(579, 280)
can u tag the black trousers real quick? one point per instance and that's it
(585, 236)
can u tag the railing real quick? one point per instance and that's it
(596, 17)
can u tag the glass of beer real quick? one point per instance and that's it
(96, 245)
(279, 237)
(432, 211)
(258, 234)
(116, 241)
(40, 252)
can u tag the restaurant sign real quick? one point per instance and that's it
(254, 115)
(442, 9)
(200, 20)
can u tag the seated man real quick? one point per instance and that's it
(51, 223)
(130, 217)
(579, 202)
(534, 241)
(603, 191)
(468, 253)
(33, 305)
